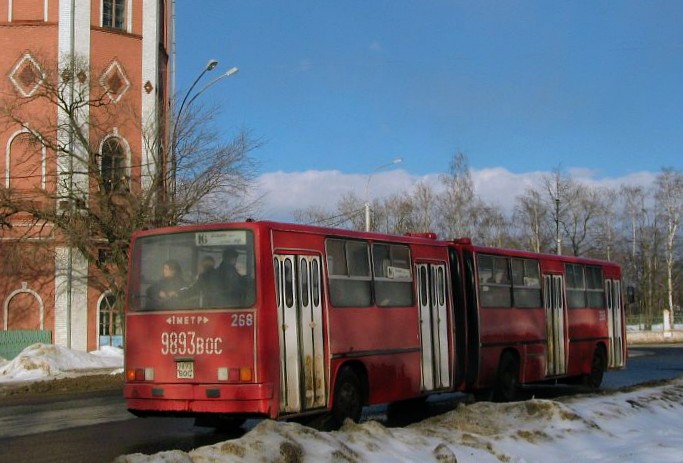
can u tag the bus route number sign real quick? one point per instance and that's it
(221, 238)
(185, 370)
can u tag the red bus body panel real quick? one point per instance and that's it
(523, 330)
(385, 341)
(210, 341)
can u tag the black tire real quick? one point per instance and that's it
(348, 397)
(506, 386)
(593, 380)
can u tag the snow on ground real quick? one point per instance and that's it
(644, 425)
(48, 361)
(638, 426)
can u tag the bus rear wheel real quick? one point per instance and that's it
(593, 379)
(506, 387)
(348, 397)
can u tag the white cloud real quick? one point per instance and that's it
(288, 191)
(500, 187)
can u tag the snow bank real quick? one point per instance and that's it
(642, 426)
(41, 361)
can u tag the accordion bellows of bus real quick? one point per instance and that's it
(266, 319)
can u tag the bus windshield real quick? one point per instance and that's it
(193, 270)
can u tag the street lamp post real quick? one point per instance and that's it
(210, 66)
(367, 190)
(558, 249)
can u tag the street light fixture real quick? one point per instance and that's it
(210, 66)
(230, 72)
(367, 189)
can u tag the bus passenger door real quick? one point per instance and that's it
(555, 326)
(615, 323)
(433, 304)
(299, 301)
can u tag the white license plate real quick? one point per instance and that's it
(185, 370)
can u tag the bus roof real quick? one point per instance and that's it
(415, 238)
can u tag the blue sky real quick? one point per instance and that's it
(525, 86)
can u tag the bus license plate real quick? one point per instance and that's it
(185, 370)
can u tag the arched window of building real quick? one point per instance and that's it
(24, 310)
(25, 163)
(114, 169)
(110, 326)
(114, 14)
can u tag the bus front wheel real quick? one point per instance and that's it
(348, 397)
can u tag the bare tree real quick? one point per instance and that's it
(456, 202)
(558, 189)
(531, 215)
(492, 226)
(605, 235)
(350, 212)
(425, 202)
(214, 176)
(396, 215)
(634, 211)
(640, 255)
(669, 197)
(91, 200)
(581, 213)
(315, 215)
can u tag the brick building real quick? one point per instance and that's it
(124, 48)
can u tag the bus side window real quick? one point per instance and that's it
(348, 263)
(392, 276)
(595, 287)
(494, 281)
(576, 287)
(526, 283)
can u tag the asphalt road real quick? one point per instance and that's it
(97, 428)
(647, 363)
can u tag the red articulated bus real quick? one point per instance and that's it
(536, 317)
(265, 319)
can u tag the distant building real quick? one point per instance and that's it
(126, 46)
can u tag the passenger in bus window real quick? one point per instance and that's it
(205, 287)
(231, 281)
(167, 287)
